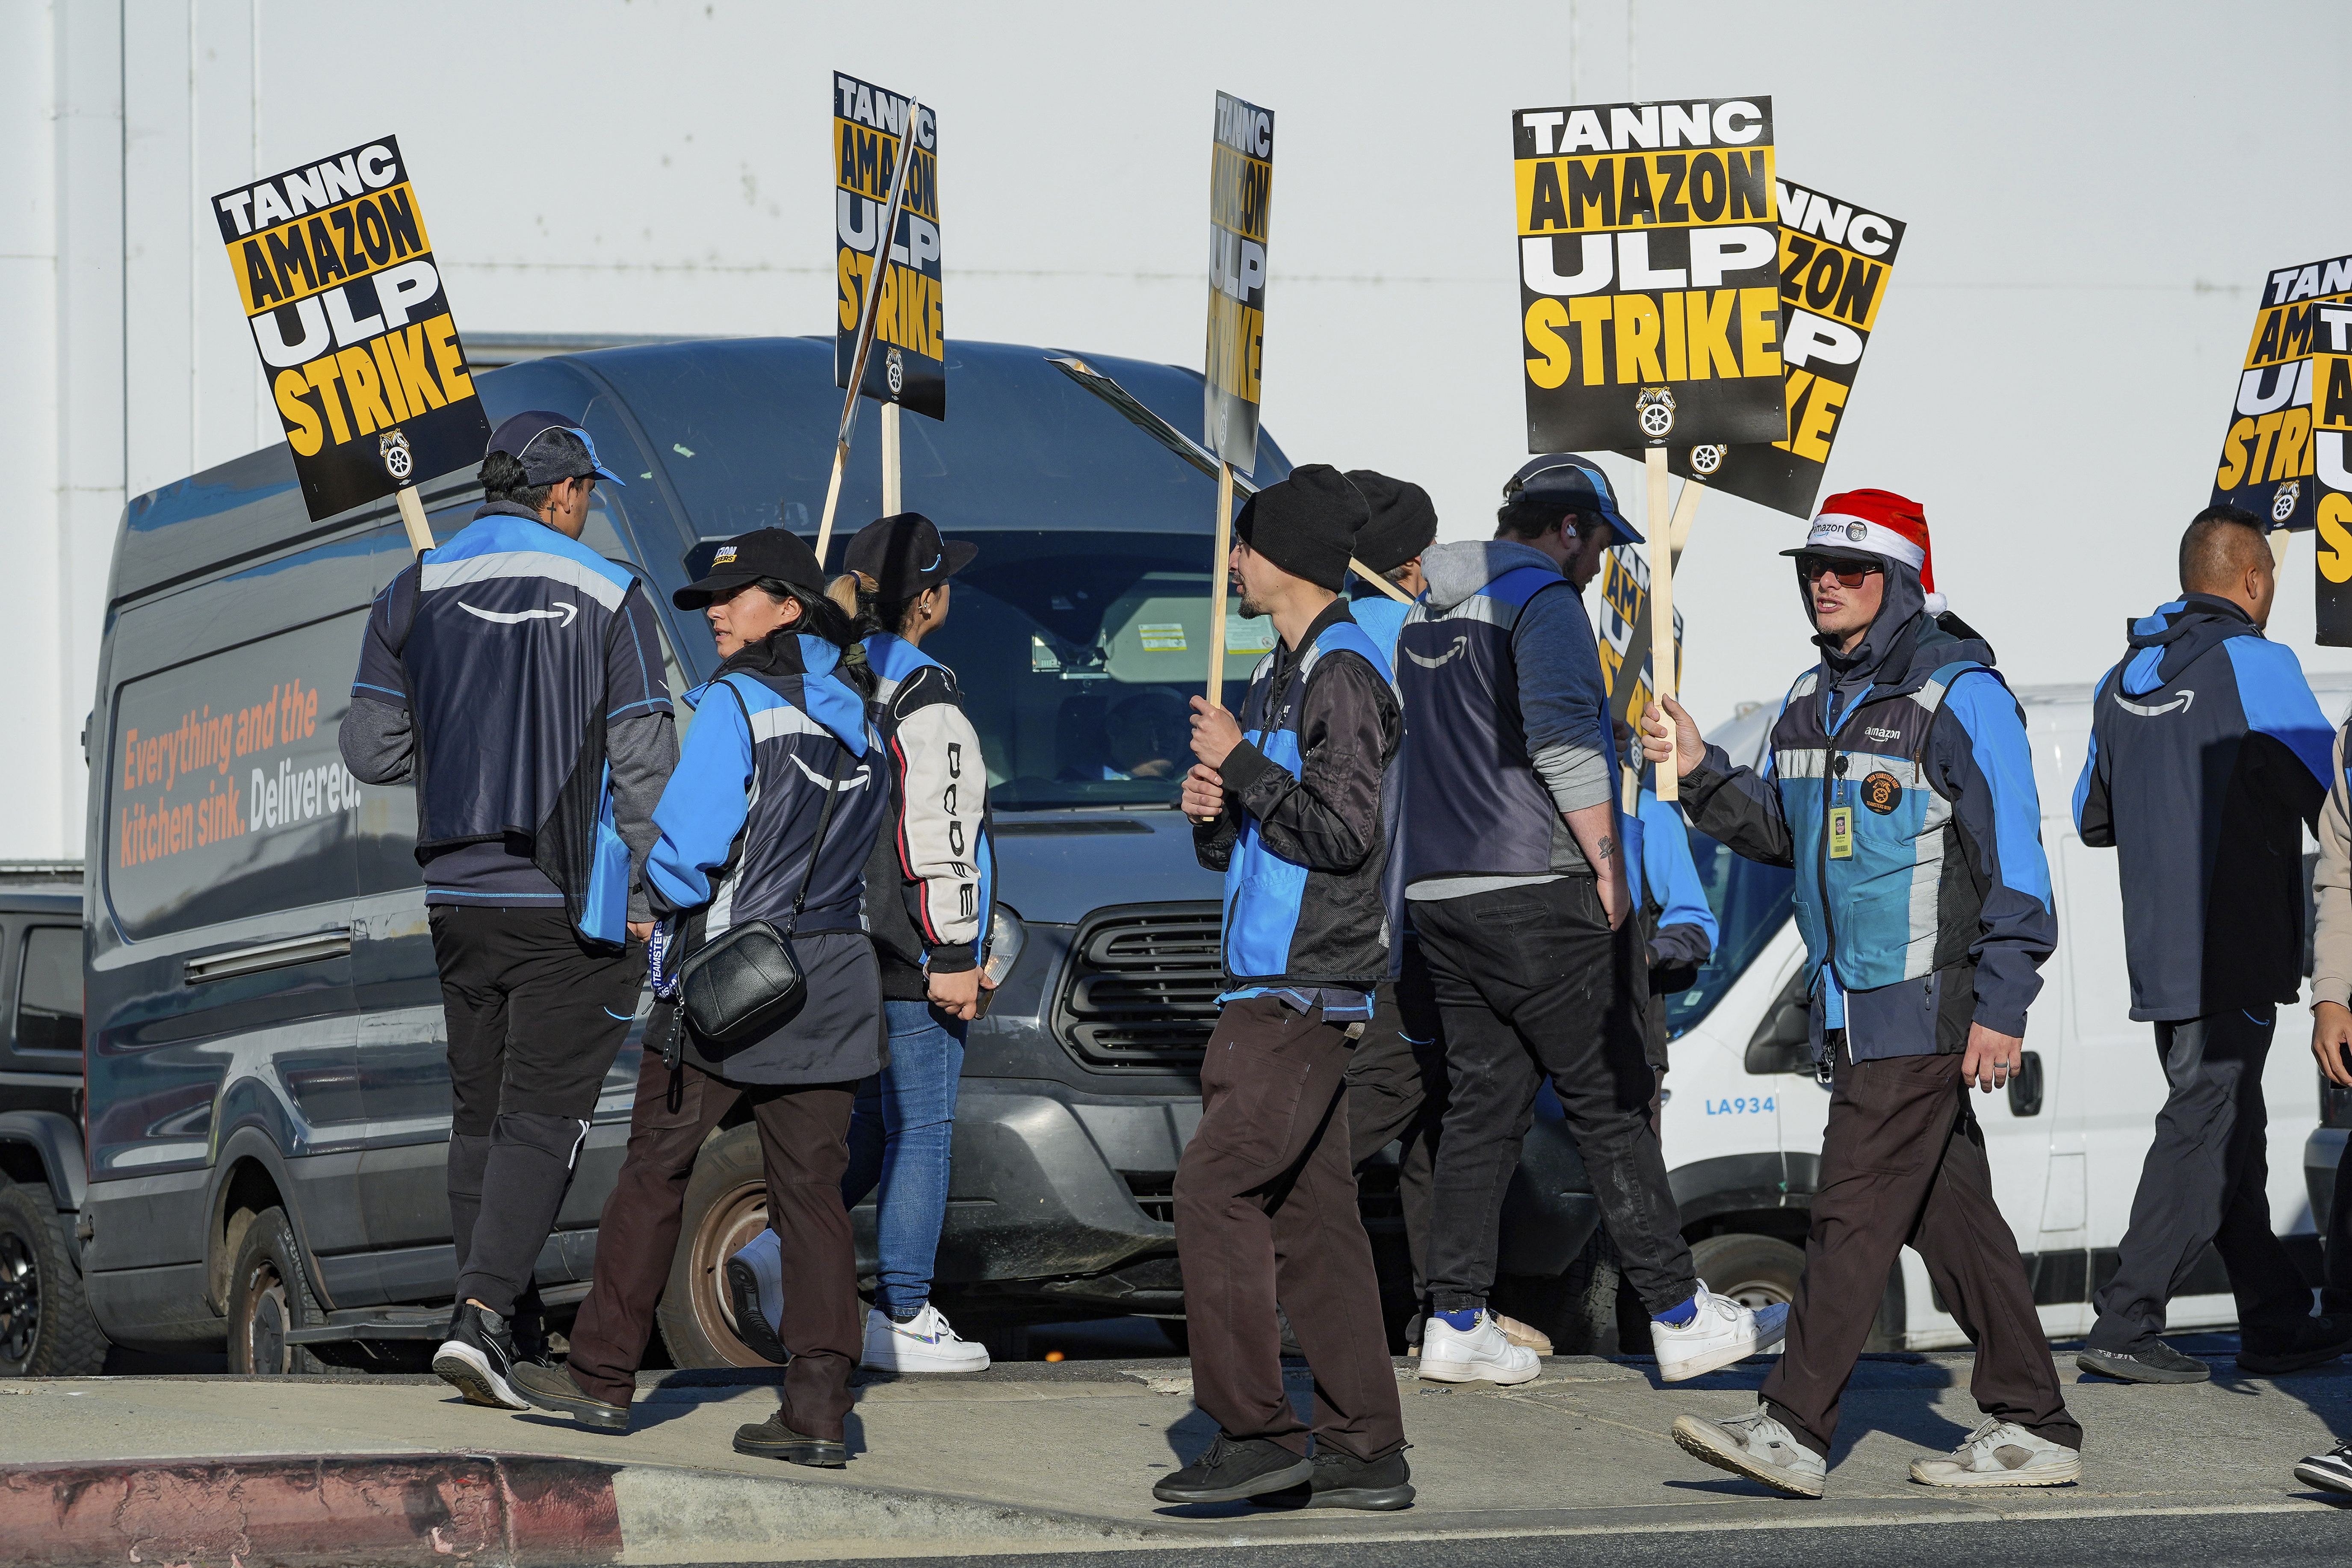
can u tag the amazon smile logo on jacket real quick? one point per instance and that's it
(560, 611)
(2156, 710)
(855, 780)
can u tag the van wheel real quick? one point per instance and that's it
(1753, 1270)
(1577, 1308)
(45, 1327)
(726, 1206)
(269, 1294)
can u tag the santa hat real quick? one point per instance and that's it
(1880, 523)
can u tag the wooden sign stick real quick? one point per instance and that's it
(1218, 576)
(412, 517)
(868, 316)
(1661, 612)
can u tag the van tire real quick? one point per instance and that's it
(726, 1206)
(268, 1293)
(1755, 1270)
(46, 1326)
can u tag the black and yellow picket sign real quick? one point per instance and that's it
(1624, 660)
(2331, 432)
(1649, 297)
(907, 364)
(2266, 456)
(1835, 259)
(1241, 192)
(336, 273)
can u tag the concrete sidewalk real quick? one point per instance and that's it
(1031, 1456)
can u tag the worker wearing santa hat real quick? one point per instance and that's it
(1901, 791)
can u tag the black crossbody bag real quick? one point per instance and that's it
(747, 982)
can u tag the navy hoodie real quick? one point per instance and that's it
(2206, 747)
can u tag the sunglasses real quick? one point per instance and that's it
(1845, 574)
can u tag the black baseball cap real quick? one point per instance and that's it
(747, 558)
(905, 554)
(1568, 482)
(550, 448)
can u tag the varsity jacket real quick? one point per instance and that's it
(740, 818)
(515, 652)
(2206, 749)
(934, 846)
(1901, 790)
(1309, 814)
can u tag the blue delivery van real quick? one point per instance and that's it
(268, 1102)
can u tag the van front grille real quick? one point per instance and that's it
(1141, 987)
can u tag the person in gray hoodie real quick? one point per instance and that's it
(1516, 880)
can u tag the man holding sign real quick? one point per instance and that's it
(1901, 753)
(1294, 805)
(1516, 883)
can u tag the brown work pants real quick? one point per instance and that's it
(804, 1146)
(1903, 1161)
(1266, 1214)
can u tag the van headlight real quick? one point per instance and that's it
(1006, 937)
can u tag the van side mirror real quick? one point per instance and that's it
(1783, 1042)
(2025, 1085)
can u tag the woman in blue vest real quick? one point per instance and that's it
(929, 884)
(779, 790)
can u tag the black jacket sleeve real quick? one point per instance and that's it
(1328, 818)
(1738, 808)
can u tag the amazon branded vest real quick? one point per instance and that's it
(510, 627)
(794, 759)
(1285, 923)
(1475, 807)
(1903, 905)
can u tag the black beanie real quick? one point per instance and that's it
(1403, 521)
(1306, 524)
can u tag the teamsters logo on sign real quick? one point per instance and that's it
(1835, 259)
(1241, 193)
(1648, 295)
(2268, 443)
(908, 364)
(337, 277)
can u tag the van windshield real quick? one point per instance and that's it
(1078, 654)
(1751, 902)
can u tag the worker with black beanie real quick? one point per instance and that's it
(1293, 805)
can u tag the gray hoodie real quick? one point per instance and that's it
(1563, 702)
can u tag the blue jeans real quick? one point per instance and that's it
(899, 1134)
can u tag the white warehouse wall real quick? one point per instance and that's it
(2094, 194)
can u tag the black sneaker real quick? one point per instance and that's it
(2316, 1341)
(478, 1357)
(771, 1439)
(2154, 1362)
(1234, 1469)
(1343, 1480)
(552, 1388)
(2331, 1470)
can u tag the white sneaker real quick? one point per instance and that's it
(755, 1288)
(2001, 1454)
(1479, 1353)
(1720, 1332)
(923, 1343)
(1756, 1447)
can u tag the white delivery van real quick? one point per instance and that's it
(1743, 1118)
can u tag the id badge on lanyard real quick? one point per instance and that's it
(1841, 823)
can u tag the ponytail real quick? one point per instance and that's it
(821, 616)
(862, 596)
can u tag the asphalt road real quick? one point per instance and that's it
(2205, 1541)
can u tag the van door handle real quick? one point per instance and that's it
(2025, 1085)
(279, 954)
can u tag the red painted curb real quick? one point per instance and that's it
(489, 1511)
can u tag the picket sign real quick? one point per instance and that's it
(343, 301)
(867, 317)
